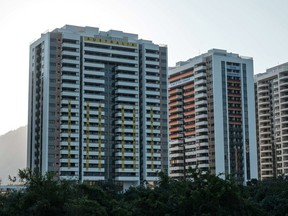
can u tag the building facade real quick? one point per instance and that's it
(212, 115)
(97, 106)
(271, 93)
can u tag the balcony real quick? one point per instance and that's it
(201, 130)
(174, 91)
(189, 126)
(128, 99)
(200, 81)
(189, 113)
(152, 85)
(128, 92)
(190, 86)
(175, 116)
(190, 133)
(199, 123)
(175, 110)
(126, 76)
(155, 93)
(263, 90)
(93, 88)
(200, 88)
(201, 102)
(200, 95)
(188, 93)
(175, 103)
(189, 106)
(175, 129)
(191, 99)
(200, 109)
(134, 84)
(180, 76)
(175, 97)
(172, 123)
(189, 119)
(156, 78)
(201, 116)
(175, 136)
(200, 68)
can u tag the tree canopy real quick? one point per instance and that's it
(199, 194)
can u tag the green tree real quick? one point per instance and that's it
(271, 195)
(199, 194)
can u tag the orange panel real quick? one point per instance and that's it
(234, 95)
(174, 116)
(189, 86)
(174, 78)
(172, 130)
(173, 110)
(189, 119)
(189, 106)
(234, 108)
(174, 122)
(235, 123)
(189, 113)
(235, 102)
(189, 126)
(233, 81)
(188, 93)
(235, 115)
(189, 99)
(174, 103)
(175, 97)
(234, 88)
(189, 133)
(173, 91)
(174, 136)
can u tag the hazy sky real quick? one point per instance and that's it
(256, 28)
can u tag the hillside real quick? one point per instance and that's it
(13, 147)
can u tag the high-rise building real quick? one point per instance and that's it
(271, 90)
(212, 115)
(98, 106)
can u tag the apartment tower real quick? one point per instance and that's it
(212, 116)
(97, 106)
(271, 92)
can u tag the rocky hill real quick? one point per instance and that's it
(13, 150)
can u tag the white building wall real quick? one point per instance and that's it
(218, 113)
(272, 121)
(224, 156)
(75, 87)
(252, 121)
(46, 99)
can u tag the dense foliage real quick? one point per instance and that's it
(199, 194)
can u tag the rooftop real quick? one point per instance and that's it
(182, 65)
(272, 71)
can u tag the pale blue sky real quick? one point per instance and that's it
(256, 28)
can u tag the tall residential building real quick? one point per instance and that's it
(98, 106)
(271, 90)
(212, 115)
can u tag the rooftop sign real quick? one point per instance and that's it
(108, 41)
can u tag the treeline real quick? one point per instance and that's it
(199, 194)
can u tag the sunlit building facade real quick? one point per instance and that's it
(98, 106)
(212, 116)
(271, 93)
